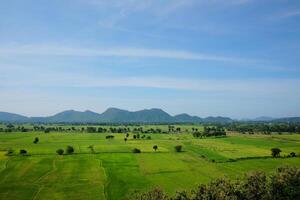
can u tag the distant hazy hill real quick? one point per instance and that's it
(185, 118)
(217, 120)
(113, 115)
(288, 119)
(263, 119)
(11, 117)
(147, 116)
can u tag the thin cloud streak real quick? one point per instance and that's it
(291, 14)
(76, 80)
(53, 50)
(285, 15)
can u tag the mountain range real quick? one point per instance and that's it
(115, 115)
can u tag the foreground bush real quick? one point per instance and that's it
(285, 184)
(282, 185)
(155, 194)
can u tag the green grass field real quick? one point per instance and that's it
(114, 172)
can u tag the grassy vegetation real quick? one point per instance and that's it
(113, 171)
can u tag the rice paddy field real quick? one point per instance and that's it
(113, 172)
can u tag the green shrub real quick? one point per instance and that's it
(9, 152)
(292, 154)
(275, 152)
(285, 184)
(155, 194)
(36, 140)
(23, 152)
(91, 147)
(69, 150)
(135, 150)
(178, 148)
(60, 151)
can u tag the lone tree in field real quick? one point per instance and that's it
(293, 154)
(23, 152)
(9, 152)
(36, 140)
(155, 147)
(91, 147)
(60, 151)
(275, 152)
(125, 139)
(135, 150)
(69, 149)
(178, 148)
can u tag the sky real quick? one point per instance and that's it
(235, 58)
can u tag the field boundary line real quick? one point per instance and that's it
(38, 192)
(41, 186)
(107, 181)
(47, 173)
(5, 167)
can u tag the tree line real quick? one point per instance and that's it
(209, 131)
(265, 128)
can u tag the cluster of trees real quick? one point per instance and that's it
(275, 152)
(178, 148)
(282, 185)
(109, 137)
(11, 152)
(209, 131)
(89, 129)
(69, 150)
(265, 128)
(95, 129)
(173, 129)
(11, 128)
(138, 136)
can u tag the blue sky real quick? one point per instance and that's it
(236, 58)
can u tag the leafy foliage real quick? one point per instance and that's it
(283, 185)
(275, 152)
(69, 149)
(178, 148)
(135, 150)
(23, 152)
(36, 140)
(60, 151)
(109, 137)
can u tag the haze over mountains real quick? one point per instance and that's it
(115, 115)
